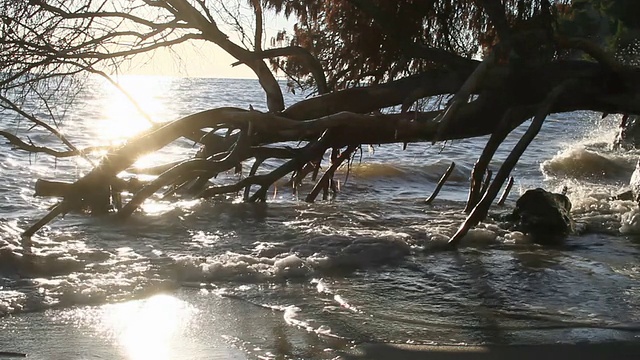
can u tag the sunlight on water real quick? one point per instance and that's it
(121, 119)
(146, 329)
(150, 160)
(154, 208)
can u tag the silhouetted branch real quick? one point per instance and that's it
(441, 182)
(505, 194)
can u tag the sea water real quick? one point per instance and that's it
(287, 279)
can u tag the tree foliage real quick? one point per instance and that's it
(393, 39)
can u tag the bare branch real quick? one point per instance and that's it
(19, 144)
(106, 14)
(11, 105)
(315, 67)
(211, 32)
(257, 7)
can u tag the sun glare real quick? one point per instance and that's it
(148, 329)
(121, 118)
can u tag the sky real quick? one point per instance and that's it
(201, 58)
(193, 59)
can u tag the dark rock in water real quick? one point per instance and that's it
(628, 136)
(544, 215)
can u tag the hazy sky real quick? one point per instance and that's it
(193, 59)
(200, 58)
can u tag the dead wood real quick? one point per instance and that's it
(443, 179)
(325, 181)
(506, 191)
(481, 166)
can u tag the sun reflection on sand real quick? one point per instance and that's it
(150, 328)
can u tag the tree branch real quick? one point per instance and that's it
(18, 143)
(257, 8)
(210, 32)
(315, 67)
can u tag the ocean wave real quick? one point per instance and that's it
(430, 172)
(582, 163)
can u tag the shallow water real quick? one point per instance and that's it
(288, 279)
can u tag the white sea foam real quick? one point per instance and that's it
(11, 301)
(581, 163)
(630, 222)
(291, 317)
(318, 254)
(324, 289)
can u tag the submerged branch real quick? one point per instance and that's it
(505, 194)
(326, 178)
(441, 182)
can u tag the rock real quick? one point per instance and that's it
(628, 136)
(544, 215)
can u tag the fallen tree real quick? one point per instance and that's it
(373, 98)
